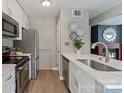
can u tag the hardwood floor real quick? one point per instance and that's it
(46, 82)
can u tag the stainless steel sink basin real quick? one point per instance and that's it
(97, 66)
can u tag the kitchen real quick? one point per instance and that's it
(45, 42)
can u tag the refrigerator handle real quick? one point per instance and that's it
(38, 57)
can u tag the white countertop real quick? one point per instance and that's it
(6, 68)
(107, 79)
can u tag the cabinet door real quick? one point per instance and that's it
(8, 83)
(86, 82)
(11, 8)
(73, 83)
(99, 88)
(27, 22)
(74, 86)
(5, 6)
(18, 18)
(23, 19)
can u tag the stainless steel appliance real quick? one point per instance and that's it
(22, 77)
(30, 43)
(22, 70)
(65, 68)
(10, 27)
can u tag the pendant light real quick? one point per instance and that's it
(46, 3)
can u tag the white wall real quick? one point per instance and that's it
(113, 12)
(7, 42)
(66, 19)
(47, 43)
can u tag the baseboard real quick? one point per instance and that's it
(61, 77)
(55, 69)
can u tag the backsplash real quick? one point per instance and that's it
(7, 42)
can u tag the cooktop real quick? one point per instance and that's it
(14, 60)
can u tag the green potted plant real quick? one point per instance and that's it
(19, 50)
(78, 43)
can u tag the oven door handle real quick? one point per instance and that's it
(20, 68)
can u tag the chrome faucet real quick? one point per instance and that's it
(107, 54)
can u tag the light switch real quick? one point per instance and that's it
(67, 43)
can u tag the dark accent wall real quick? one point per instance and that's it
(97, 33)
(94, 34)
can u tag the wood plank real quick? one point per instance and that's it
(46, 82)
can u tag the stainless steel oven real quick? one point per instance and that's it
(22, 77)
(10, 27)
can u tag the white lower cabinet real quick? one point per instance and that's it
(86, 82)
(8, 82)
(74, 84)
(80, 81)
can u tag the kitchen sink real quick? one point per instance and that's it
(96, 65)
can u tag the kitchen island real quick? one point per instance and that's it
(102, 81)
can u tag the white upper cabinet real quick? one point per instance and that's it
(8, 7)
(23, 19)
(27, 22)
(12, 8)
(18, 18)
(4, 6)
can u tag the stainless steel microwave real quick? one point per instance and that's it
(10, 27)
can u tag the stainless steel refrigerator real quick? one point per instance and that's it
(30, 43)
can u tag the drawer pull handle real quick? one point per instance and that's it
(9, 78)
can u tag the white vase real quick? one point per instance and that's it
(78, 51)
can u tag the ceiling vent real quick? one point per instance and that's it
(77, 13)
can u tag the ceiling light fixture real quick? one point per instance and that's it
(46, 3)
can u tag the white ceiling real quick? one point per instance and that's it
(113, 21)
(96, 7)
